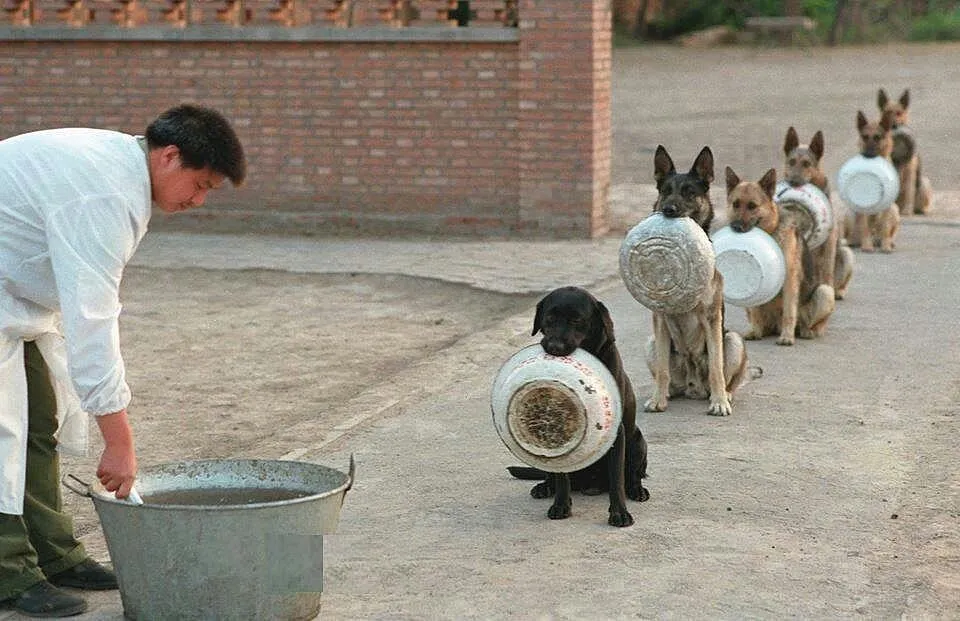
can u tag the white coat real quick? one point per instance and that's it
(74, 204)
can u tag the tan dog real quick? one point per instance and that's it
(692, 354)
(916, 193)
(833, 259)
(876, 140)
(803, 305)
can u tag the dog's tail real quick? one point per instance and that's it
(526, 473)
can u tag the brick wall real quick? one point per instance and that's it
(462, 131)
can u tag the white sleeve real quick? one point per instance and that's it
(90, 242)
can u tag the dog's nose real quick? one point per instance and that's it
(670, 210)
(556, 347)
(740, 226)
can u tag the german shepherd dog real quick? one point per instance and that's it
(568, 318)
(876, 140)
(803, 305)
(916, 194)
(692, 354)
(833, 259)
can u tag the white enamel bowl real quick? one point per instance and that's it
(868, 184)
(666, 263)
(559, 414)
(751, 264)
(811, 207)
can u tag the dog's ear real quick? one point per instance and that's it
(792, 141)
(816, 145)
(606, 320)
(905, 99)
(882, 99)
(732, 179)
(538, 318)
(768, 182)
(703, 165)
(662, 166)
(887, 120)
(861, 120)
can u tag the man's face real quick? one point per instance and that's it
(177, 188)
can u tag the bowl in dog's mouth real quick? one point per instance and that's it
(869, 185)
(810, 207)
(556, 413)
(752, 266)
(666, 263)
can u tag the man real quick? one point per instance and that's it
(74, 204)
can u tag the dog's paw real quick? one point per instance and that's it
(752, 335)
(638, 493)
(620, 518)
(806, 333)
(886, 249)
(655, 404)
(559, 511)
(720, 407)
(541, 490)
(866, 248)
(785, 340)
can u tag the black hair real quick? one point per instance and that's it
(204, 137)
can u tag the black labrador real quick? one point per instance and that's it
(570, 317)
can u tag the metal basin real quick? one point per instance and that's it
(222, 539)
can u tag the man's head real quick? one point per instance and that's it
(192, 150)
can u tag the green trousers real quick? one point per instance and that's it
(40, 542)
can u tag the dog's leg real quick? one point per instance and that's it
(924, 195)
(636, 467)
(889, 224)
(862, 224)
(560, 508)
(815, 313)
(843, 270)
(908, 187)
(619, 516)
(658, 360)
(734, 361)
(713, 329)
(827, 258)
(758, 328)
(791, 290)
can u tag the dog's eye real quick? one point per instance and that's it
(792, 162)
(751, 206)
(806, 164)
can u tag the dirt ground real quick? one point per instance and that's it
(225, 360)
(222, 362)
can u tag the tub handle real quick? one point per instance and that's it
(70, 480)
(350, 475)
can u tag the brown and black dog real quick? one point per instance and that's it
(803, 305)
(916, 194)
(833, 259)
(692, 354)
(571, 318)
(876, 140)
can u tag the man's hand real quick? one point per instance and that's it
(118, 463)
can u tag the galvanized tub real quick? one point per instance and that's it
(222, 539)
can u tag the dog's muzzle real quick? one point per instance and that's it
(740, 226)
(556, 347)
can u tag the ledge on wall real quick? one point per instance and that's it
(257, 33)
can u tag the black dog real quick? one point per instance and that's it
(569, 318)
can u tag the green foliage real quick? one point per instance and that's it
(936, 27)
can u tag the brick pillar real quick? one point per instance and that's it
(564, 116)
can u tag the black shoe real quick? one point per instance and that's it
(45, 600)
(89, 575)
